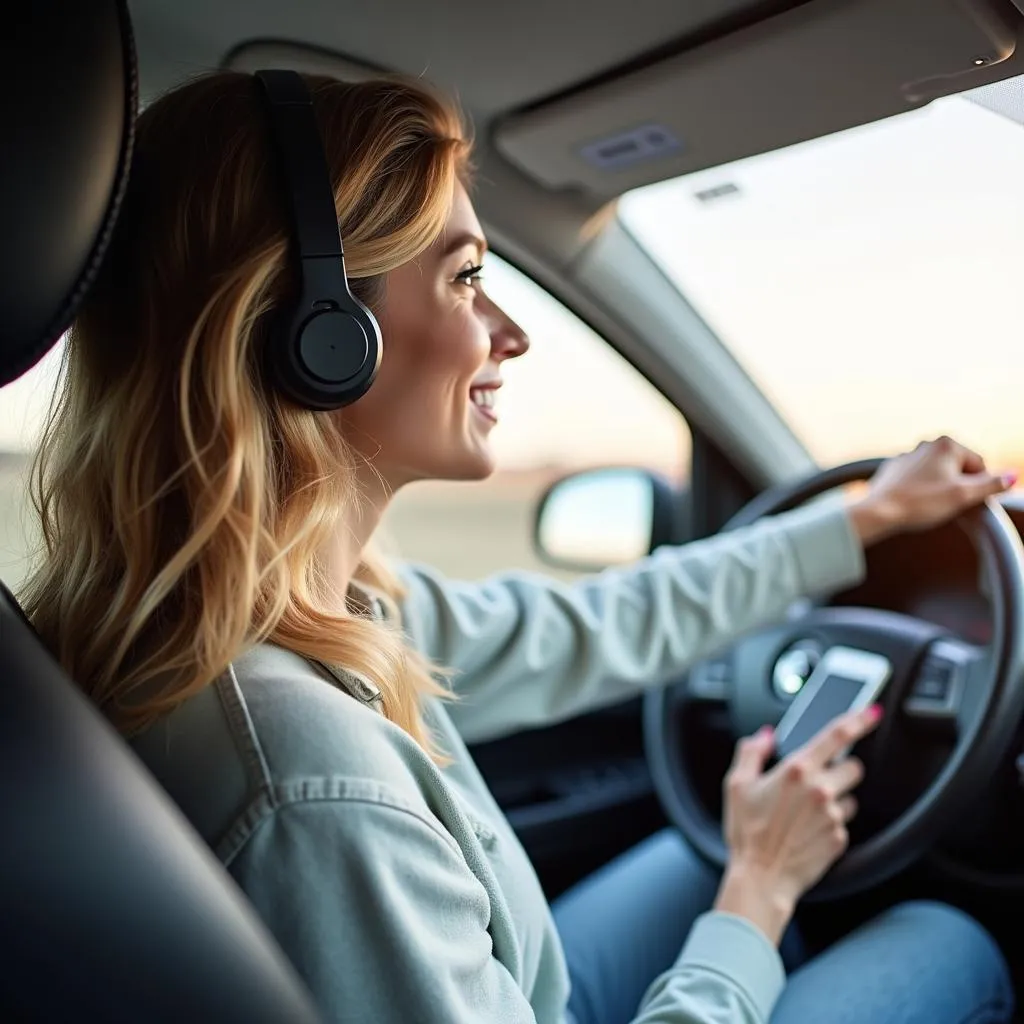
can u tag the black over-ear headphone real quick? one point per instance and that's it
(324, 350)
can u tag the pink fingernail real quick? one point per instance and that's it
(875, 712)
(1009, 479)
(765, 731)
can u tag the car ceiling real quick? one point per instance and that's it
(497, 57)
(547, 81)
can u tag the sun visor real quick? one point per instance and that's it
(817, 69)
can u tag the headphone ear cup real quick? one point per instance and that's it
(333, 347)
(325, 361)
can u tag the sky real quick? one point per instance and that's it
(871, 283)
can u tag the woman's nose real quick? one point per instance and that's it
(508, 339)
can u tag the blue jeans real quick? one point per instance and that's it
(919, 963)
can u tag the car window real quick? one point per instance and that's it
(23, 407)
(572, 402)
(868, 281)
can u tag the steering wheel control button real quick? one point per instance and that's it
(934, 682)
(936, 690)
(711, 680)
(794, 668)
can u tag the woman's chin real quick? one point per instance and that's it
(477, 463)
(481, 469)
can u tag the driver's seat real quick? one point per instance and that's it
(111, 907)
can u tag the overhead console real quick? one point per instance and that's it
(816, 69)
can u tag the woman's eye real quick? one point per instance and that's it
(470, 276)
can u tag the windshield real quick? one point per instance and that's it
(870, 282)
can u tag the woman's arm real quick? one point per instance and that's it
(528, 650)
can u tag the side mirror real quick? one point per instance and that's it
(602, 517)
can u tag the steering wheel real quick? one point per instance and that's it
(952, 708)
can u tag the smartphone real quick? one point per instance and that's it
(844, 680)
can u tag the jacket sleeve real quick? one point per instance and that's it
(380, 913)
(527, 650)
(727, 973)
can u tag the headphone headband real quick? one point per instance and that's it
(326, 353)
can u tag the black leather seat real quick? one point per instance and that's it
(111, 907)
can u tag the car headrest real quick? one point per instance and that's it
(67, 110)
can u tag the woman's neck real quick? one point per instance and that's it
(344, 551)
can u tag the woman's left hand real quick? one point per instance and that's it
(923, 488)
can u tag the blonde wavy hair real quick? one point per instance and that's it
(182, 504)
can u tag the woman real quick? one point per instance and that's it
(209, 581)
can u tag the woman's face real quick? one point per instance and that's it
(431, 410)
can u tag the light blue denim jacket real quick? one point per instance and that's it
(398, 888)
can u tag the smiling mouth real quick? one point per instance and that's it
(483, 401)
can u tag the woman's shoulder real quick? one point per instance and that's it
(310, 718)
(277, 730)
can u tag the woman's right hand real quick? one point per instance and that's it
(786, 827)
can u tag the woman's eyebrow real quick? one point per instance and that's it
(462, 240)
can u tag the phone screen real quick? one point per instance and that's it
(836, 695)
